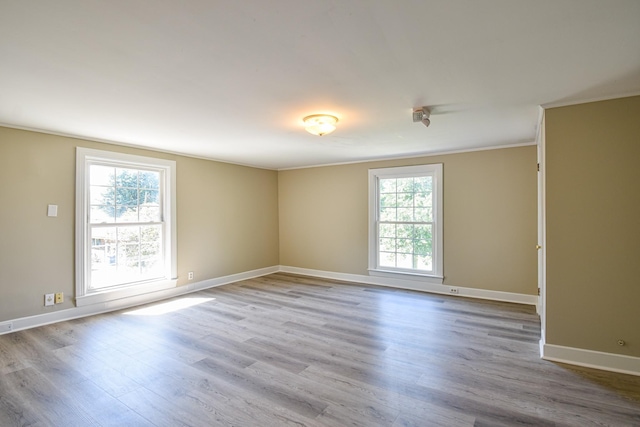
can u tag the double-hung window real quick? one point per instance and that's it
(125, 225)
(405, 222)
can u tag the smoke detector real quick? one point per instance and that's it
(422, 115)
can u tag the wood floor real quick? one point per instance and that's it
(286, 350)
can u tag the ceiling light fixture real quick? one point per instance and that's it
(320, 124)
(422, 115)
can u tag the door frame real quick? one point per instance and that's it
(542, 238)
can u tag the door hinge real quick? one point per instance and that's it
(538, 167)
(538, 291)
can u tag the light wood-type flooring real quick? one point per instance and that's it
(286, 350)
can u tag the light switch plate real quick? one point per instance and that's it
(52, 210)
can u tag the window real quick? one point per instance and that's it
(125, 225)
(405, 222)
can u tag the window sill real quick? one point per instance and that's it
(418, 277)
(131, 291)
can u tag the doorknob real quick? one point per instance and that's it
(538, 247)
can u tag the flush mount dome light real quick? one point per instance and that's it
(320, 124)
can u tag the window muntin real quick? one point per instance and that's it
(125, 222)
(405, 225)
(131, 253)
(406, 220)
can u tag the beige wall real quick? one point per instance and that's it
(227, 218)
(593, 225)
(489, 218)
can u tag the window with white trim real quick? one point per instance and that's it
(405, 222)
(125, 225)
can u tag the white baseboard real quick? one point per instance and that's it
(574, 356)
(591, 359)
(416, 285)
(103, 307)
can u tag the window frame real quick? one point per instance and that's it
(436, 172)
(84, 158)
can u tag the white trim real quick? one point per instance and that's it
(557, 104)
(86, 156)
(6, 327)
(433, 170)
(128, 145)
(214, 159)
(103, 307)
(591, 359)
(426, 278)
(416, 156)
(542, 226)
(414, 285)
(126, 292)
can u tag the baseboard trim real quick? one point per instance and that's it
(104, 307)
(591, 359)
(416, 285)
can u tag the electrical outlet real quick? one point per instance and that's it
(190, 275)
(49, 299)
(453, 291)
(59, 297)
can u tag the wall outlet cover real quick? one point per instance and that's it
(49, 299)
(59, 297)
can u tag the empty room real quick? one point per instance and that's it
(322, 213)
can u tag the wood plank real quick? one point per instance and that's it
(288, 350)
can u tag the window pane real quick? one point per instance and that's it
(149, 180)
(388, 200)
(422, 247)
(423, 240)
(128, 258)
(422, 184)
(387, 230)
(127, 178)
(423, 232)
(387, 185)
(405, 200)
(100, 195)
(405, 231)
(125, 254)
(387, 214)
(404, 246)
(422, 214)
(126, 196)
(103, 255)
(405, 214)
(387, 259)
(102, 175)
(422, 199)
(128, 235)
(102, 214)
(404, 261)
(149, 214)
(127, 214)
(423, 262)
(405, 185)
(149, 197)
(150, 250)
(387, 245)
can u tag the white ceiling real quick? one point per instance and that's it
(231, 80)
